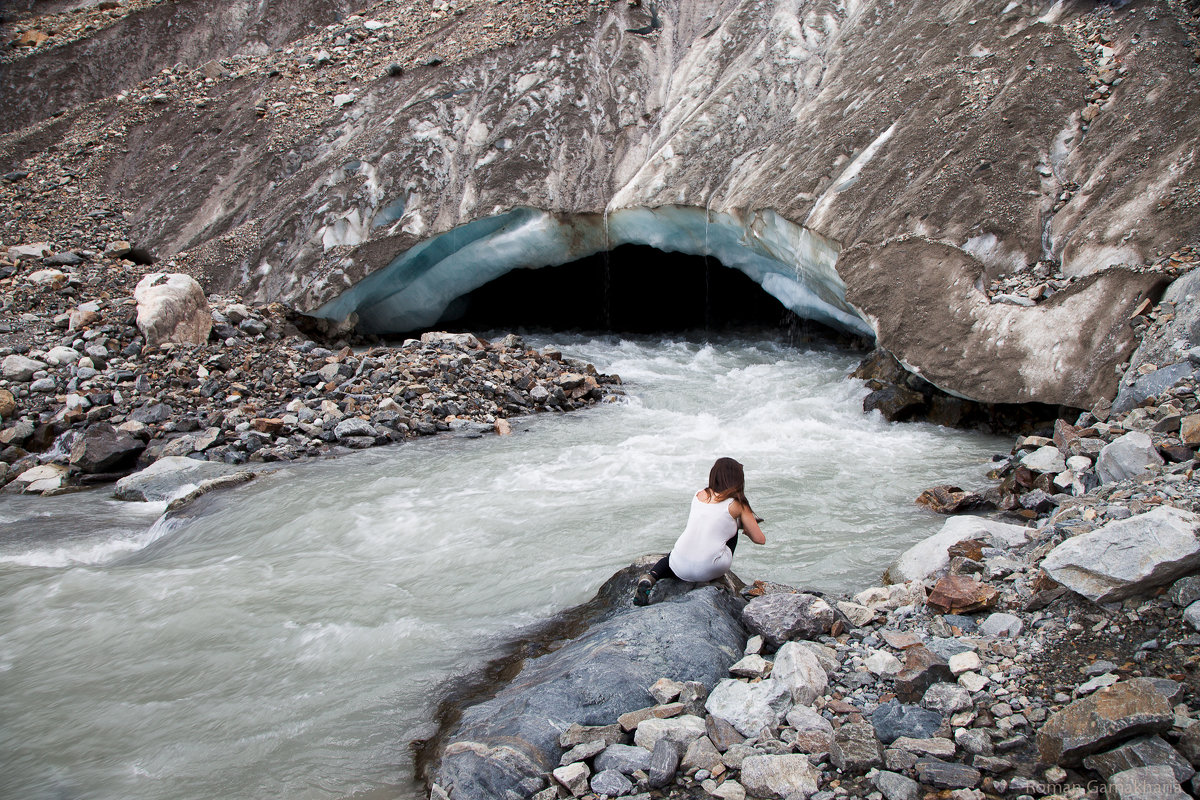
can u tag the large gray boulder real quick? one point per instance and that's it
(783, 616)
(172, 308)
(1129, 556)
(168, 478)
(1127, 457)
(591, 680)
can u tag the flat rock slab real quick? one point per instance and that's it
(1128, 556)
(168, 478)
(1093, 723)
(591, 680)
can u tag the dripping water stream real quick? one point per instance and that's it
(290, 641)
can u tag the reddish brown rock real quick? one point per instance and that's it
(922, 669)
(960, 594)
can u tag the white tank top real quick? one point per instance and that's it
(700, 553)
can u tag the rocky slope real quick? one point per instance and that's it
(935, 155)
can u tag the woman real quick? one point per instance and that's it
(704, 551)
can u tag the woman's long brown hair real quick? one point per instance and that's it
(727, 479)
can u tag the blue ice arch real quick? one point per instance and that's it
(791, 263)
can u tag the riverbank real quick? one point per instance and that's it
(85, 398)
(1046, 651)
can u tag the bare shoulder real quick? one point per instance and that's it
(735, 509)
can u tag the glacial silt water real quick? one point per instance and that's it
(291, 640)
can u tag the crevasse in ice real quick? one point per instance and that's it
(791, 263)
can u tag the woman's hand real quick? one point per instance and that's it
(748, 522)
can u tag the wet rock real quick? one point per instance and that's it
(779, 776)
(750, 707)
(784, 616)
(1127, 457)
(894, 402)
(172, 308)
(893, 720)
(946, 499)
(1126, 557)
(855, 748)
(1093, 723)
(166, 478)
(1144, 751)
(103, 448)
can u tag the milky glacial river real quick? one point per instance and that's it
(289, 642)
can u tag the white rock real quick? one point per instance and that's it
(929, 557)
(1191, 615)
(47, 277)
(1079, 463)
(965, 662)
(779, 776)
(1045, 459)
(798, 668)
(858, 614)
(882, 662)
(886, 598)
(752, 666)
(44, 472)
(748, 707)
(172, 308)
(62, 355)
(341, 100)
(574, 777)
(972, 681)
(467, 340)
(34, 251)
(682, 730)
(1128, 556)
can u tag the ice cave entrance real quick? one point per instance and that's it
(446, 278)
(632, 289)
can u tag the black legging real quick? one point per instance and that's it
(663, 568)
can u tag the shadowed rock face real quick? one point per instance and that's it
(931, 147)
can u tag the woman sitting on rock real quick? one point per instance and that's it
(704, 552)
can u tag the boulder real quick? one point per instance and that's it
(172, 308)
(167, 478)
(681, 730)
(466, 341)
(1150, 385)
(1109, 715)
(1127, 457)
(750, 707)
(624, 758)
(783, 616)
(103, 448)
(930, 556)
(1126, 557)
(19, 368)
(591, 680)
(353, 426)
(797, 668)
(783, 776)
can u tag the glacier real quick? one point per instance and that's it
(791, 263)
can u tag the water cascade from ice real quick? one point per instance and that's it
(791, 263)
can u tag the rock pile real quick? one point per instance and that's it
(85, 397)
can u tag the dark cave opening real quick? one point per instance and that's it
(630, 289)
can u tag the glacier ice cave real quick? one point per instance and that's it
(437, 280)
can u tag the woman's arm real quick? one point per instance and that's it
(748, 522)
